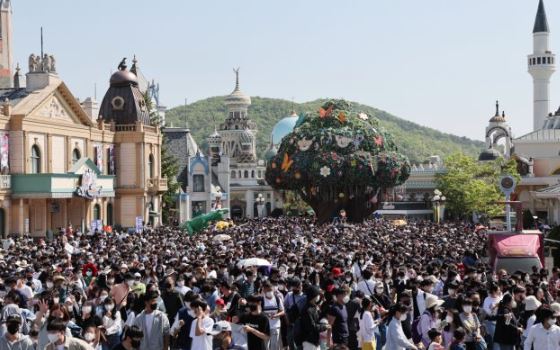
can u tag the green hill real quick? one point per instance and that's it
(417, 142)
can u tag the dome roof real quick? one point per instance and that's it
(123, 77)
(489, 154)
(237, 97)
(283, 128)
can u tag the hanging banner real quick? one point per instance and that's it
(139, 224)
(4, 152)
(99, 161)
(112, 160)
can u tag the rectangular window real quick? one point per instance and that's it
(198, 183)
(538, 60)
(548, 60)
(198, 208)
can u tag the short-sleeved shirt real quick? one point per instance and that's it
(204, 341)
(260, 323)
(340, 325)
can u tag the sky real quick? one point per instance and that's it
(439, 63)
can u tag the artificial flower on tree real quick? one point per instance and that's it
(335, 159)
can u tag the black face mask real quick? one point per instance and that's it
(253, 307)
(135, 343)
(13, 328)
(153, 306)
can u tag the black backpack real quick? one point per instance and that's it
(293, 312)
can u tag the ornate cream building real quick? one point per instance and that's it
(64, 164)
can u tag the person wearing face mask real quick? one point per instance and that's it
(182, 323)
(201, 326)
(380, 298)
(112, 325)
(171, 299)
(367, 285)
(396, 339)
(450, 300)
(338, 317)
(311, 327)
(132, 339)
(294, 304)
(88, 319)
(508, 331)
(545, 335)
(429, 319)
(13, 339)
(273, 308)
(422, 293)
(91, 336)
(45, 316)
(120, 291)
(58, 339)
(256, 325)
(181, 288)
(153, 323)
(471, 324)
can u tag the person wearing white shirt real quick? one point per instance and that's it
(367, 285)
(366, 335)
(201, 327)
(545, 335)
(531, 305)
(396, 339)
(490, 308)
(273, 308)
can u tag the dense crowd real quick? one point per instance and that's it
(272, 284)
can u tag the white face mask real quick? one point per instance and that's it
(130, 283)
(192, 314)
(109, 307)
(53, 338)
(467, 309)
(181, 283)
(449, 319)
(451, 292)
(89, 337)
(86, 309)
(103, 297)
(346, 299)
(317, 299)
(269, 295)
(379, 290)
(49, 284)
(403, 317)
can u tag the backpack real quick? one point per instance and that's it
(293, 312)
(415, 329)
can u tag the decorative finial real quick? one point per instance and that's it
(497, 108)
(236, 78)
(134, 60)
(122, 65)
(503, 114)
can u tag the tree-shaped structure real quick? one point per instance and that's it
(338, 159)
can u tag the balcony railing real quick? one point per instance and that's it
(157, 185)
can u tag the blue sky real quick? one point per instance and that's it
(440, 63)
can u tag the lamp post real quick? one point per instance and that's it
(260, 204)
(439, 205)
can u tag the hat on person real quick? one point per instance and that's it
(58, 278)
(532, 303)
(337, 272)
(137, 275)
(432, 300)
(219, 327)
(555, 307)
(220, 302)
(312, 292)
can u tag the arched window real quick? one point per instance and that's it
(233, 174)
(110, 214)
(239, 174)
(538, 60)
(76, 155)
(246, 174)
(96, 212)
(259, 174)
(108, 161)
(35, 160)
(252, 174)
(151, 165)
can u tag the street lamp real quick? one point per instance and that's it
(439, 205)
(260, 204)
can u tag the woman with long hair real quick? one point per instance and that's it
(368, 325)
(507, 327)
(450, 323)
(112, 324)
(395, 335)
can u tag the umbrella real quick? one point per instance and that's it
(253, 262)
(221, 237)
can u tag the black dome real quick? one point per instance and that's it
(489, 154)
(123, 77)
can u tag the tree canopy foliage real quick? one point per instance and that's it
(473, 187)
(338, 158)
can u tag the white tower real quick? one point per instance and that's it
(6, 63)
(541, 68)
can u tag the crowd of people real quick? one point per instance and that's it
(272, 284)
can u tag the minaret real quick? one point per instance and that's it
(6, 44)
(541, 68)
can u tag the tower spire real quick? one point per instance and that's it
(497, 108)
(541, 23)
(236, 70)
